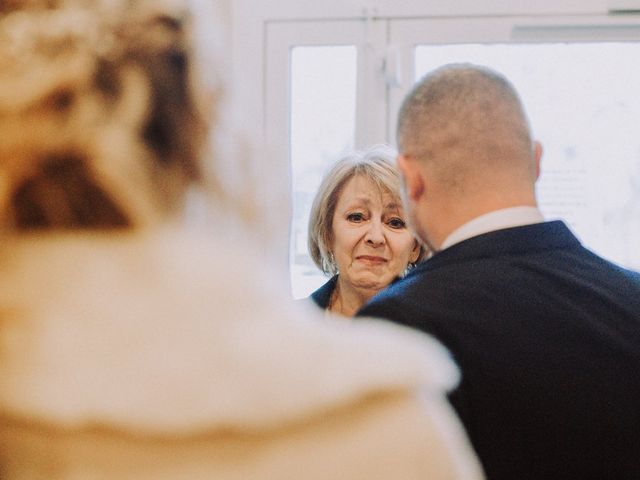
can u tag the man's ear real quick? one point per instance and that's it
(537, 157)
(412, 175)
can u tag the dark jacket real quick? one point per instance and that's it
(547, 336)
(322, 296)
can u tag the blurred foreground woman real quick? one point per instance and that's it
(135, 346)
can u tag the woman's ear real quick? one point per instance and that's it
(415, 253)
(412, 177)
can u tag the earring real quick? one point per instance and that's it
(329, 263)
(410, 266)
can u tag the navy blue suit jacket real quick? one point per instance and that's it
(322, 296)
(547, 337)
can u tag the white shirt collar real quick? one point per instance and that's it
(505, 218)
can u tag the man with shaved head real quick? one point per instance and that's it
(546, 333)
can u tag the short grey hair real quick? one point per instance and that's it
(378, 165)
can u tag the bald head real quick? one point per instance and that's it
(465, 150)
(465, 121)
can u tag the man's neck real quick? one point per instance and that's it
(449, 212)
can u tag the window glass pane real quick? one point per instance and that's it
(583, 106)
(323, 109)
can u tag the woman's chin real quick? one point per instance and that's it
(370, 284)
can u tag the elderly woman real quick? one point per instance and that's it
(358, 232)
(134, 345)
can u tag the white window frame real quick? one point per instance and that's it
(406, 34)
(250, 20)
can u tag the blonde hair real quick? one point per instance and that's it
(103, 118)
(378, 165)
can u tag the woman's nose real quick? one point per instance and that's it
(375, 234)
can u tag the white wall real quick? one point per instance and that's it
(223, 9)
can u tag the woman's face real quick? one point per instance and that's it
(371, 242)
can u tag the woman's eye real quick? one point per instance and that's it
(396, 223)
(355, 217)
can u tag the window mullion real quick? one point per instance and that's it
(371, 104)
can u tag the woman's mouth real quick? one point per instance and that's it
(371, 259)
